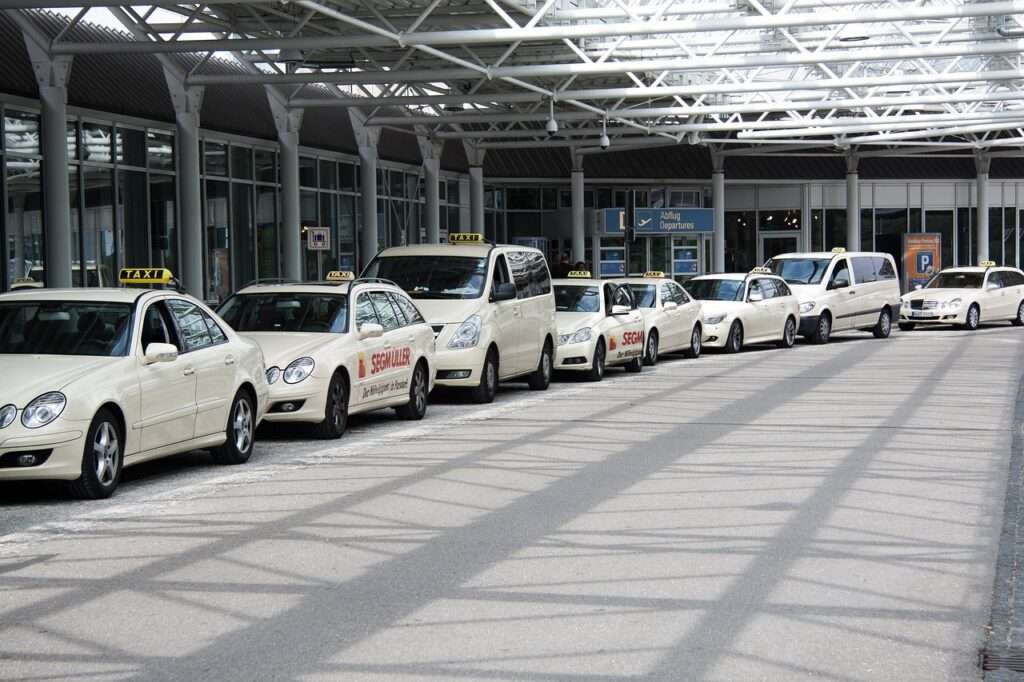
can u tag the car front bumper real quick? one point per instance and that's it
(576, 357)
(809, 324)
(935, 317)
(715, 335)
(461, 367)
(305, 401)
(59, 452)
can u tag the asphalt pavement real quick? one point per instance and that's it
(823, 512)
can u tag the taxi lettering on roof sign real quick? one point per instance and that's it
(654, 274)
(24, 280)
(988, 263)
(465, 238)
(340, 276)
(762, 271)
(145, 276)
(579, 274)
(838, 249)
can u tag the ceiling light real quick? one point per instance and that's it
(552, 126)
(604, 141)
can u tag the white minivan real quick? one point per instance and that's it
(491, 306)
(842, 291)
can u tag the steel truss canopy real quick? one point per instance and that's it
(742, 76)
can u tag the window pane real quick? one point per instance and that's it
(194, 332)
(243, 246)
(131, 147)
(100, 262)
(941, 222)
(385, 311)
(241, 162)
(160, 150)
(24, 224)
(327, 175)
(348, 176)
(266, 232)
(96, 141)
(995, 235)
(72, 129)
(308, 215)
(266, 168)
(162, 222)
(740, 241)
(307, 171)
(218, 284)
(964, 235)
(132, 214)
(817, 244)
(216, 158)
(790, 220)
(21, 132)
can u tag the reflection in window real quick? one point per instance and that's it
(131, 147)
(266, 231)
(217, 235)
(160, 150)
(24, 224)
(21, 132)
(100, 260)
(96, 142)
(162, 221)
(215, 158)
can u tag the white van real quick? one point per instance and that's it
(842, 291)
(492, 309)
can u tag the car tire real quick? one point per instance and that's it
(635, 365)
(335, 410)
(907, 326)
(734, 342)
(597, 367)
(788, 334)
(419, 386)
(973, 318)
(823, 330)
(541, 377)
(696, 343)
(487, 389)
(240, 432)
(651, 349)
(1019, 320)
(883, 328)
(102, 459)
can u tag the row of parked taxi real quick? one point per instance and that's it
(99, 379)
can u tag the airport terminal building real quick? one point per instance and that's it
(221, 182)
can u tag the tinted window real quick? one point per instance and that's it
(365, 314)
(216, 333)
(385, 311)
(407, 308)
(500, 274)
(864, 269)
(64, 328)
(800, 270)
(623, 297)
(956, 280)
(517, 263)
(757, 287)
(286, 312)
(841, 272)
(1014, 278)
(679, 294)
(191, 323)
(540, 277)
(577, 299)
(434, 277)
(782, 289)
(884, 268)
(155, 329)
(995, 278)
(716, 289)
(646, 295)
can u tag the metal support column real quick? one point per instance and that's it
(579, 234)
(188, 101)
(431, 152)
(852, 203)
(367, 138)
(475, 155)
(288, 123)
(982, 163)
(718, 205)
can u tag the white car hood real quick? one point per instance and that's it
(712, 308)
(940, 294)
(569, 322)
(281, 348)
(28, 376)
(806, 292)
(449, 310)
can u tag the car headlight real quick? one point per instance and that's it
(468, 333)
(955, 303)
(905, 303)
(7, 415)
(578, 336)
(806, 307)
(43, 410)
(298, 370)
(273, 374)
(715, 319)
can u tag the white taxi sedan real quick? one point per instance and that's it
(323, 364)
(598, 326)
(966, 297)
(741, 309)
(672, 319)
(99, 379)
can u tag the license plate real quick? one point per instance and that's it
(923, 316)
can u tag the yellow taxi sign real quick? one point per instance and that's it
(762, 271)
(838, 249)
(340, 276)
(23, 280)
(579, 274)
(465, 238)
(145, 276)
(654, 274)
(988, 263)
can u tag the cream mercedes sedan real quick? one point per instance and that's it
(99, 379)
(325, 363)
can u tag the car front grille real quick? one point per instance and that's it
(921, 304)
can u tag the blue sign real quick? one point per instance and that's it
(674, 220)
(684, 267)
(611, 221)
(925, 261)
(539, 243)
(615, 268)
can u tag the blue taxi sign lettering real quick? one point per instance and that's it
(145, 276)
(340, 276)
(465, 238)
(579, 274)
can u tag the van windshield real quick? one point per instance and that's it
(433, 277)
(800, 270)
(716, 289)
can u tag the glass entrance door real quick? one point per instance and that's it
(771, 245)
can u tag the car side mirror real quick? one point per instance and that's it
(991, 286)
(370, 330)
(671, 305)
(840, 283)
(918, 287)
(506, 291)
(756, 297)
(621, 310)
(160, 352)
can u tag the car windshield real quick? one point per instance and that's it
(956, 280)
(286, 312)
(645, 295)
(716, 289)
(64, 328)
(436, 277)
(800, 270)
(577, 299)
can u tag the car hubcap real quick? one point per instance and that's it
(107, 452)
(736, 338)
(600, 363)
(1020, 312)
(337, 404)
(492, 379)
(546, 365)
(695, 342)
(823, 328)
(886, 323)
(421, 391)
(652, 349)
(243, 426)
(789, 332)
(973, 315)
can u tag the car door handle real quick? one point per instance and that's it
(188, 371)
(229, 360)
(852, 293)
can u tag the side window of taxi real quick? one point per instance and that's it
(841, 273)
(781, 288)
(365, 314)
(623, 297)
(500, 274)
(996, 279)
(408, 308)
(1013, 278)
(609, 297)
(517, 263)
(195, 333)
(385, 311)
(157, 328)
(756, 288)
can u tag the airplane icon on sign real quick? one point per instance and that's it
(645, 221)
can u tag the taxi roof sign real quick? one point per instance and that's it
(145, 276)
(654, 274)
(838, 249)
(579, 274)
(465, 238)
(340, 276)
(24, 280)
(988, 263)
(762, 271)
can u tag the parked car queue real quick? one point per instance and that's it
(100, 379)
